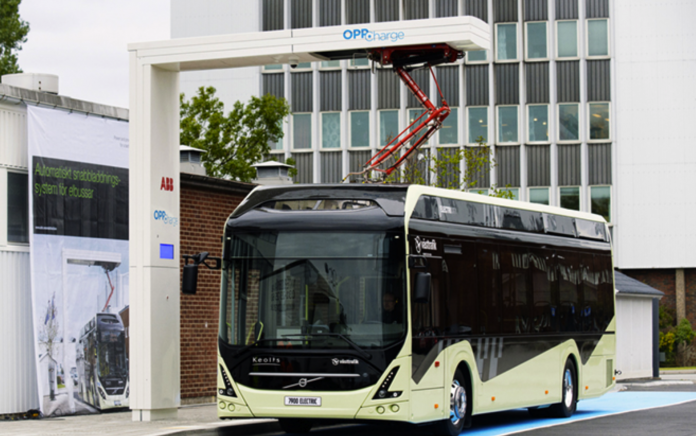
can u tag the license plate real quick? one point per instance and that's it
(303, 401)
(117, 403)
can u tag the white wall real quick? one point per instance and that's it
(191, 18)
(655, 71)
(634, 336)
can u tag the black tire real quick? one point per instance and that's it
(295, 426)
(569, 389)
(460, 404)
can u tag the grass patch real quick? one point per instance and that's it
(682, 368)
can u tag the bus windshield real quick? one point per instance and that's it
(314, 290)
(112, 354)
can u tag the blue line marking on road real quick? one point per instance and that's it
(515, 421)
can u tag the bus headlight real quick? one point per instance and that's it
(101, 393)
(127, 391)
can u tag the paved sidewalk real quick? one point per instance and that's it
(120, 423)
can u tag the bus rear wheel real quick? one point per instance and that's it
(294, 425)
(459, 408)
(569, 400)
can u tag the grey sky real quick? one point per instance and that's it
(84, 42)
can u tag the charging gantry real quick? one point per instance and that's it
(404, 60)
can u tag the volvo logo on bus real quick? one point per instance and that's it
(425, 244)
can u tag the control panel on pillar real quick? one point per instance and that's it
(164, 212)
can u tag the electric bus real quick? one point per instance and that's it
(412, 304)
(102, 365)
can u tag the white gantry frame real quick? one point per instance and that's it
(154, 154)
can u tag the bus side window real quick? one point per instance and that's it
(605, 290)
(515, 290)
(590, 282)
(544, 315)
(568, 266)
(490, 307)
(461, 292)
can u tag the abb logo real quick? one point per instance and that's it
(167, 184)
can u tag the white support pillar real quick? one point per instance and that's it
(154, 291)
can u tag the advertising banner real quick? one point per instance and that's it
(78, 180)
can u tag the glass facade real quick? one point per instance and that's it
(567, 41)
(302, 131)
(597, 38)
(17, 208)
(478, 124)
(538, 123)
(477, 56)
(506, 42)
(599, 121)
(507, 124)
(331, 130)
(360, 129)
(568, 122)
(570, 198)
(449, 132)
(539, 195)
(388, 126)
(600, 199)
(537, 41)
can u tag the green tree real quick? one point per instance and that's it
(444, 167)
(13, 32)
(236, 141)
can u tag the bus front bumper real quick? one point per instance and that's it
(334, 405)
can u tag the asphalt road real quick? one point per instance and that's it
(677, 420)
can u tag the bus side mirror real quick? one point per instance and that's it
(190, 279)
(422, 290)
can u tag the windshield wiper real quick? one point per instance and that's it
(248, 347)
(353, 345)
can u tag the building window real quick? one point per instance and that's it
(388, 126)
(331, 130)
(538, 117)
(449, 133)
(330, 64)
(360, 62)
(17, 208)
(302, 131)
(597, 38)
(600, 198)
(537, 41)
(478, 124)
(360, 129)
(539, 195)
(476, 56)
(278, 145)
(599, 121)
(570, 198)
(480, 191)
(506, 42)
(514, 191)
(507, 125)
(273, 68)
(567, 39)
(303, 66)
(413, 115)
(568, 122)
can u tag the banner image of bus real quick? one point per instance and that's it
(411, 304)
(102, 366)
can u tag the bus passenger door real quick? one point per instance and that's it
(427, 323)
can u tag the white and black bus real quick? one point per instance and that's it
(410, 303)
(102, 365)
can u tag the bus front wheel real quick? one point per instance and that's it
(294, 425)
(460, 403)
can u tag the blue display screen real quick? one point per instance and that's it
(166, 251)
